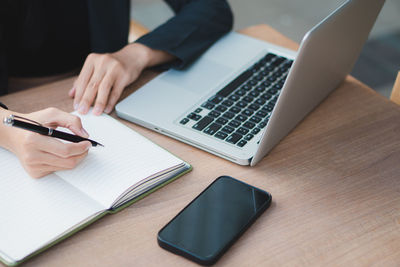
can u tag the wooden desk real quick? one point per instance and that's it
(334, 181)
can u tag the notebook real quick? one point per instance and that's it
(37, 213)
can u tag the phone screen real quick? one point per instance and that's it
(205, 228)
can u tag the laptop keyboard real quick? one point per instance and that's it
(240, 110)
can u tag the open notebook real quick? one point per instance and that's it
(37, 213)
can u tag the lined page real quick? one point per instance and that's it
(126, 159)
(33, 212)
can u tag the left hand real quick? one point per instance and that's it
(104, 77)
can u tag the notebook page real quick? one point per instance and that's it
(126, 159)
(35, 211)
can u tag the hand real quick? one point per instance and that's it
(104, 76)
(41, 155)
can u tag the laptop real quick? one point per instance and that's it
(243, 95)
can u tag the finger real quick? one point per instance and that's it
(103, 93)
(46, 163)
(116, 92)
(58, 117)
(83, 79)
(61, 149)
(91, 90)
(59, 163)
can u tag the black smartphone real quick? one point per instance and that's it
(212, 222)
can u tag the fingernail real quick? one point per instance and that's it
(108, 110)
(76, 106)
(83, 109)
(97, 111)
(71, 92)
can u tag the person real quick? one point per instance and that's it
(49, 37)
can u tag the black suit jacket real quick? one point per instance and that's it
(196, 25)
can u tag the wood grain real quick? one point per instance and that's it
(334, 181)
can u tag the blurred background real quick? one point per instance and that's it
(379, 61)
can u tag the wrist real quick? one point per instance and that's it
(8, 135)
(144, 55)
(135, 53)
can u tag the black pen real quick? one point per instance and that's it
(40, 129)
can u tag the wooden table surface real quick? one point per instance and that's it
(334, 181)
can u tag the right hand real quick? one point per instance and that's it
(41, 155)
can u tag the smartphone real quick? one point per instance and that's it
(214, 220)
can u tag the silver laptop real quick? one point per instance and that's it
(243, 95)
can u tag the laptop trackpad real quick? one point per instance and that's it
(200, 77)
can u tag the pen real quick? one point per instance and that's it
(38, 128)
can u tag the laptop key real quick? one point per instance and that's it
(208, 105)
(241, 104)
(278, 61)
(242, 143)
(266, 83)
(228, 129)
(255, 119)
(184, 121)
(267, 109)
(213, 128)
(234, 123)
(254, 93)
(262, 124)
(234, 97)
(235, 109)
(228, 115)
(221, 108)
(249, 124)
(221, 121)
(234, 138)
(228, 89)
(240, 92)
(248, 99)
(269, 57)
(214, 114)
(248, 112)
(262, 113)
(266, 96)
(260, 101)
(254, 106)
(246, 87)
(241, 118)
(228, 103)
(260, 88)
(242, 131)
(221, 135)
(255, 131)
(216, 99)
(269, 68)
(194, 116)
(198, 110)
(248, 137)
(201, 124)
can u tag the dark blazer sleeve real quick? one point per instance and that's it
(196, 26)
(3, 65)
